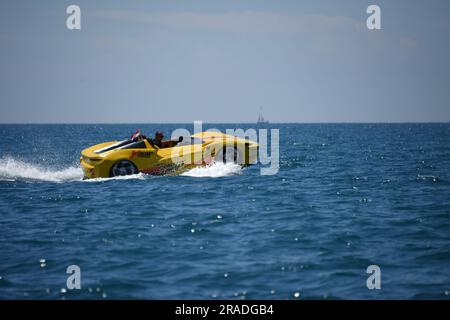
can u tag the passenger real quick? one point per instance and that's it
(137, 136)
(160, 143)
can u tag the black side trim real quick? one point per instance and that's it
(136, 145)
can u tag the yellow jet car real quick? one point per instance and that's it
(139, 154)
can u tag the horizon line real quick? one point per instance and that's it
(213, 122)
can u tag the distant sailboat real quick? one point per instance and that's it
(261, 119)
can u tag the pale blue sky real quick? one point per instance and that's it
(220, 61)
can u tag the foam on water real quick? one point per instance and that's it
(138, 176)
(12, 169)
(215, 170)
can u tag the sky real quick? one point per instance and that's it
(224, 61)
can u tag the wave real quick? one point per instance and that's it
(12, 169)
(215, 170)
(426, 177)
(137, 176)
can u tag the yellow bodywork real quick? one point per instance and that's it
(153, 160)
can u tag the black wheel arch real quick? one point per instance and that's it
(115, 162)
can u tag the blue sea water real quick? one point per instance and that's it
(346, 196)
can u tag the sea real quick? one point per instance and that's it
(353, 211)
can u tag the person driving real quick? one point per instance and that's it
(160, 143)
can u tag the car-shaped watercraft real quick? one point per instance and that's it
(139, 154)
